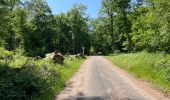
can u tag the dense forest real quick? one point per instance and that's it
(28, 29)
(122, 26)
(130, 27)
(30, 25)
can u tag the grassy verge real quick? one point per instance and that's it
(152, 67)
(25, 78)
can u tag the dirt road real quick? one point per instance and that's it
(98, 79)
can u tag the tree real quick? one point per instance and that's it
(7, 15)
(79, 29)
(3, 20)
(108, 8)
(100, 37)
(40, 27)
(108, 11)
(149, 30)
(116, 14)
(63, 36)
(32, 26)
(122, 26)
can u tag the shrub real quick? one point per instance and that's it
(24, 78)
(25, 82)
(6, 55)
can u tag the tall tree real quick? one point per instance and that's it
(8, 35)
(79, 28)
(108, 10)
(149, 30)
(100, 37)
(116, 14)
(41, 24)
(122, 26)
(63, 36)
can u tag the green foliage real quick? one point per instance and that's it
(150, 26)
(7, 31)
(6, 55)
(72, 31)
(30, 25)
(100, 38)
(152, 67)
(110, 31)
(39, 29)
(143, 25)
(79, 29)
(28, 28)
(30, 79)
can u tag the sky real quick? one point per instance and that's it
(62, 6)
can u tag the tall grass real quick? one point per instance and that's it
(152, 67)
(25, 78)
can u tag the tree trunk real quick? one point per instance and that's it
(111, 28)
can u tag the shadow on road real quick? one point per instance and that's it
(90, 98)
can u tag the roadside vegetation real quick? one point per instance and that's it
(151, 67)
(26, 78)
(29, 30)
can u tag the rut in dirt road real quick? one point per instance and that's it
(97, 79)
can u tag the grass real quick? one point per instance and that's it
(151, 67)
(25, 78)
(65, 72)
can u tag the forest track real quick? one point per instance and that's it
(98, 79)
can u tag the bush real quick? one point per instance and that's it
(6, 55)
(25, 82)
(24, 78)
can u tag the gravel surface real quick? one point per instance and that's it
(98, 79)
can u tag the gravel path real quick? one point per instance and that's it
(98, 79)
